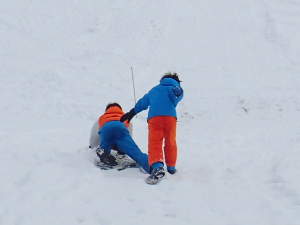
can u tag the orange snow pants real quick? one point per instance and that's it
(162, 128)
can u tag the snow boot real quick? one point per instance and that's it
(171, 169)
(156, 175)
(106, 158)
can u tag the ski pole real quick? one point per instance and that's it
(133, 86)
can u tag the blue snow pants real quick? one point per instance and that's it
(115, 134)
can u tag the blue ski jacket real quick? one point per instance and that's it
(162, 99)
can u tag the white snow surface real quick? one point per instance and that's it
(62, 61)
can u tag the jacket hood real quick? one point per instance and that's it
(169, 82)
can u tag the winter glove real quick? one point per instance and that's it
(128, 116)
(177, 91)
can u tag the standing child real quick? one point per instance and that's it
(162, 101)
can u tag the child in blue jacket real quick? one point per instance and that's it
(161, 101)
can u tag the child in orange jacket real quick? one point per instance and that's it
(115, 135)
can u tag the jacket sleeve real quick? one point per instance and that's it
(142, 104)
(176, 95)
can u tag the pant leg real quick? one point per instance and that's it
(106, 138)
(127, 145)
(170, 148)
(155, 140)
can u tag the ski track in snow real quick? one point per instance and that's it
(61, 62)
(282, 27)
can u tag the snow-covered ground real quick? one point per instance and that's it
(62, 61)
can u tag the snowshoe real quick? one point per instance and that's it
(156, 175)
(114, 161)
(119, 167)
(106, 158)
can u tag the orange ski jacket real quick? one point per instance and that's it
(113, 113)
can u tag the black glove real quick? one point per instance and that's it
(128, 116)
